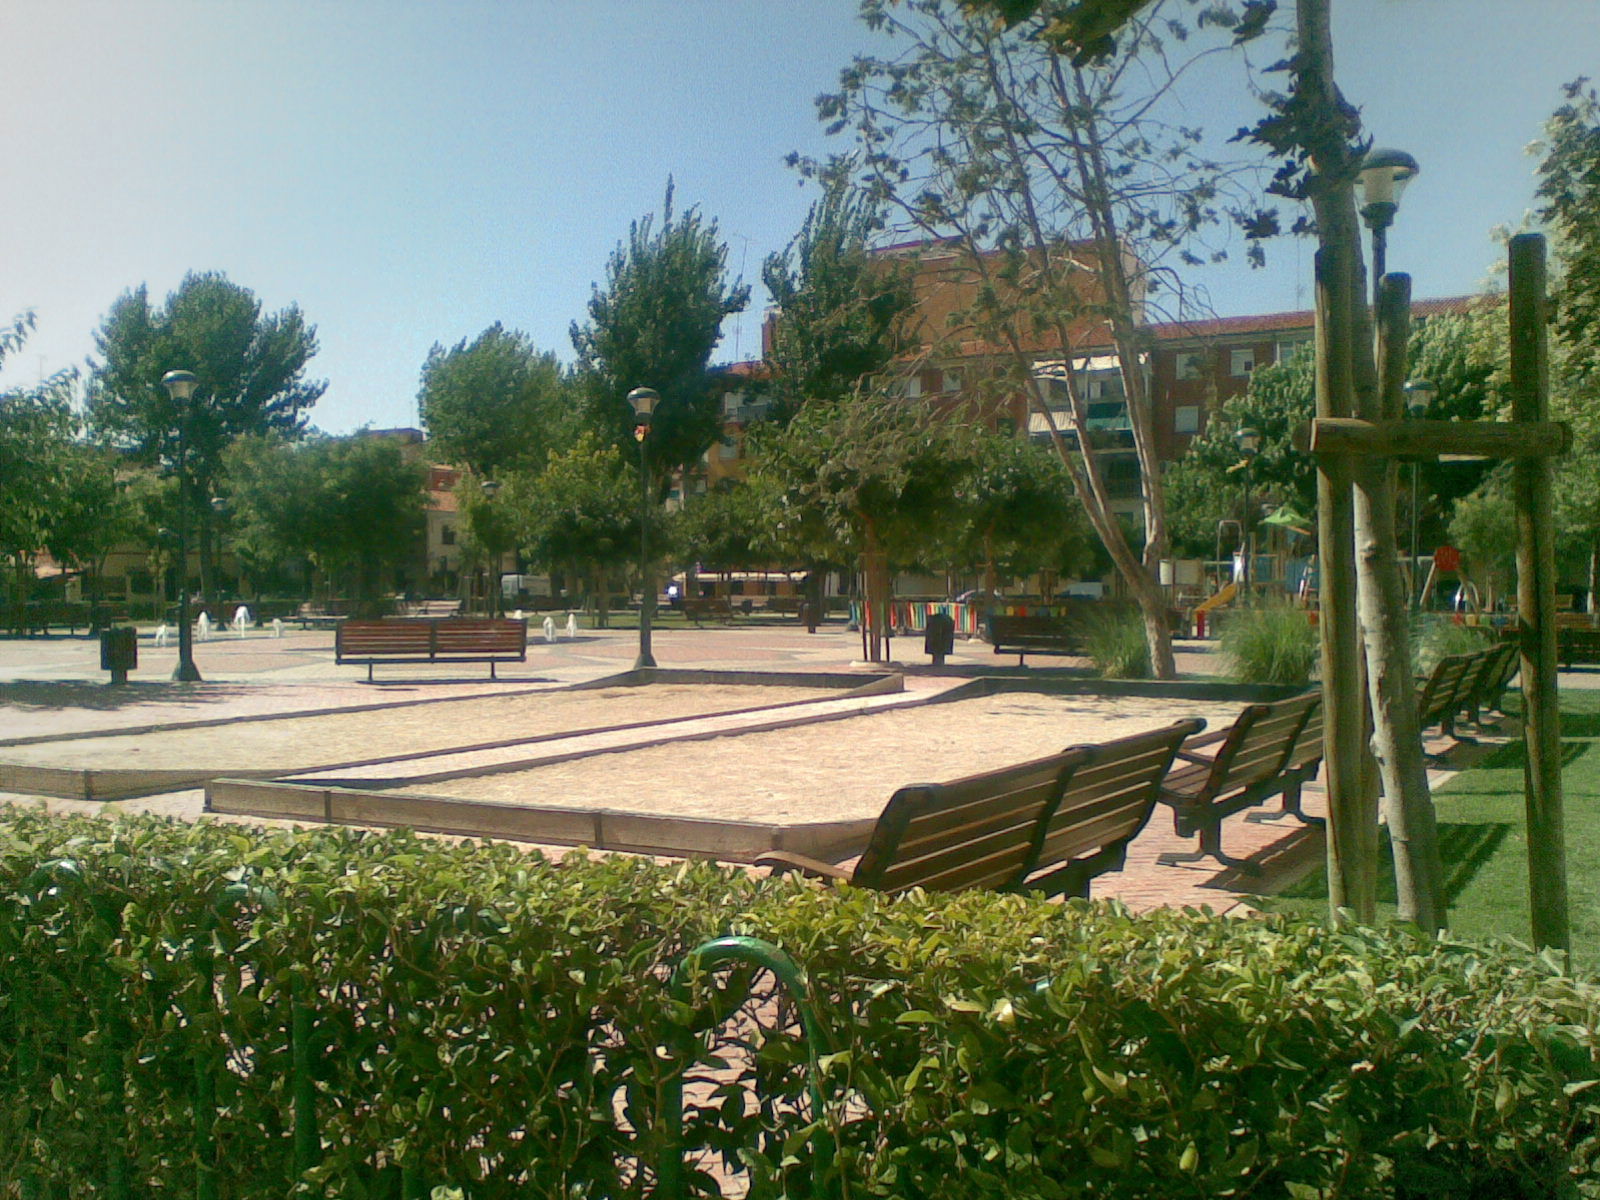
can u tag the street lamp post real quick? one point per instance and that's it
(1383, 177)
(644, 401)
(180, 386)
(492, 545)
(1249, 442)
(1419, 396)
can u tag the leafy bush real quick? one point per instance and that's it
(1435, 637)
(351, 1005)
(1115, 642)
(1273, 643)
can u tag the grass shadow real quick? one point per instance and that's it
(1465, 848)
(1513, 756)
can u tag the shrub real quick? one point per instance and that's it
(1434, 637)
(1115, 642)
(1274, 643)
(348, 1004)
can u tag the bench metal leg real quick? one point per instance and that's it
(1210, 847)
(1289, 807)
(369, 672)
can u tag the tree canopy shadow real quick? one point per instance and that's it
(1463, 847)
(1513, 756)
(102, 697)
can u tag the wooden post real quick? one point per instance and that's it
(1536, 603)
(1352, 834)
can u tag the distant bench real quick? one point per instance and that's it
(450, 640)
(698, 608)
(1050, 825)
(1033, 634)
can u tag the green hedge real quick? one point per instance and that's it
(209, 1010)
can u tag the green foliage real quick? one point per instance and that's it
(1022, 516)
(1569, 189)
(1114, 640)
(721, 529)
(250, 365)
(1484, 526)
(37, 450)
(872, 470)
(655, 324)
(842, 314)
(1271, 643)
(1440, 637)
(356, 507)
(1207, 484)
(495, 403)
(493, 1022)
(580, 515)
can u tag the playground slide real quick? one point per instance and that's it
(1225, 596)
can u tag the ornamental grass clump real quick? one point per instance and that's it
(357, 1014)
(1272, 643)
(1435, 636)
(1115, 643)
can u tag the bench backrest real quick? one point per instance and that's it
(1003, 627)
(1260, 743)
(1108, 799)
(1308, 743)
(977, 832)
(1444, 691)
(383, 637)
(450, 636)
(481, 636)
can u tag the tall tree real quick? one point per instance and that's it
(872, 478)
(842, 313)
(1066, 194)
(37, 428)
(354, 506)
(580, 515)
(251, 369)
(654, 324)
(495, 403)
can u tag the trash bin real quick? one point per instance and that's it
(119, 651)
(808, 616)
(939, 638)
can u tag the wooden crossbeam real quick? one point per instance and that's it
(1334, 436)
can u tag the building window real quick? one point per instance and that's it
(1288, 348)
(952, 381)
(447, 535)
(914, 386)
(729, 448)
(1241, 361)
(1191, 366)
(1186, 418)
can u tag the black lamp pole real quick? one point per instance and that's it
(644, 401)
(1248, 441)
(180, 386)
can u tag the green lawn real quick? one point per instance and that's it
(1483, 836)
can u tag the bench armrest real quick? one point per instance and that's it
(782, 862)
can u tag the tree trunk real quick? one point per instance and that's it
(1340, 341)
(1594, 576)
(602, 600)
(875, 594)
(1397, 735)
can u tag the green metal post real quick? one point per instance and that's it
(754, 951)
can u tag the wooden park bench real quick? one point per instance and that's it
(1033, 634)
(1050, 825)
(698, 608)
(451, 640)
(1463, 683)
(1577, 643)
(1251, 764)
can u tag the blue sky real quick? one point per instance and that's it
(409, 172)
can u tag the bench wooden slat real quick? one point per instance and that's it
(1250, 766)
(1052, 823)
(490, 640)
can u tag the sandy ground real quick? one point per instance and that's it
(291, 743)
(831, 770)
